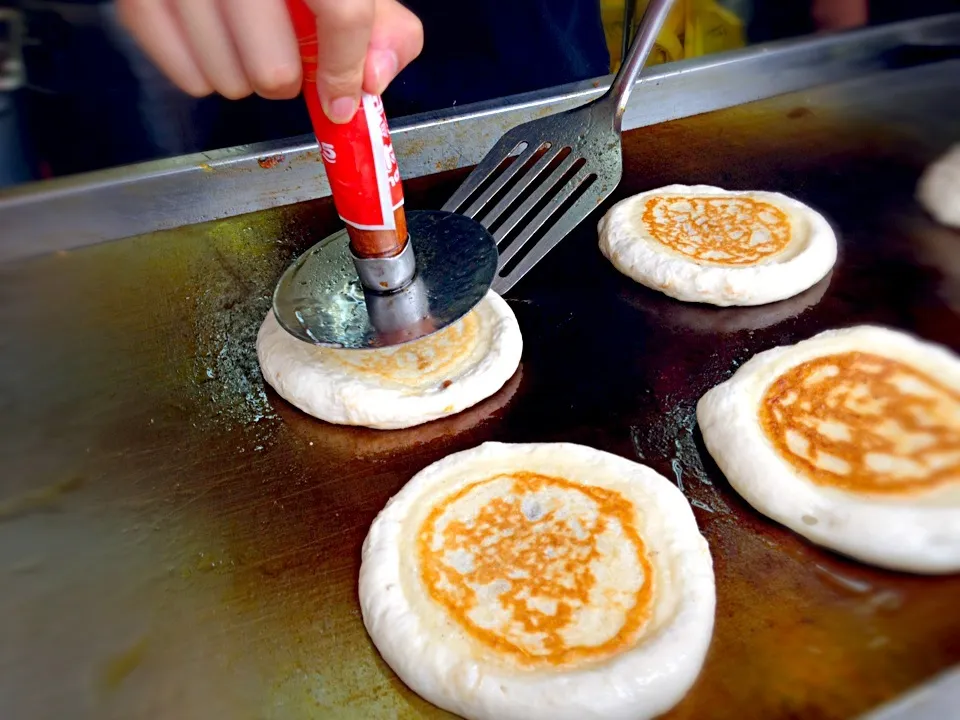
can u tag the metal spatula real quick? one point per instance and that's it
(545, 176)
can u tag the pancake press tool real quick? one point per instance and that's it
(390, 277)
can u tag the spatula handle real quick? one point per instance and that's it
(358, 156)
(650, 25)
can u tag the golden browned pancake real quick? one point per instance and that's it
(540, 581)
(513, 560)
(864, 422)
(850, 438)
(400, 386)
(718, 230)
(705, 244)
(425, 363)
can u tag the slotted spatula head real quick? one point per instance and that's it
(544, 177)
(539, 182)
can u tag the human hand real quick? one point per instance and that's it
(240, 47)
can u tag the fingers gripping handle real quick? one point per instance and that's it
(358, 157)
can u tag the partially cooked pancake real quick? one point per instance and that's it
(540, 581)
(852, 439)
(705, 244)
(398, 386)
(939, 188)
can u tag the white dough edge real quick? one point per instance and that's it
(686, 280)
(290, 367)
(640, 683)
(939, 188)
(884, 531)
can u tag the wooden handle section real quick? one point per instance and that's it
(358, 157)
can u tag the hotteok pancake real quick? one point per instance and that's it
(852, 439)
(540, 581)
(705, 244)
(400, 386)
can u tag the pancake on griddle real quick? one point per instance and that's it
(852, 439)
(939, 188)
(704, 244)
(399, 386)
(540, 581)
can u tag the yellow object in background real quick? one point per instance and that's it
(711, 28)
(694, 28)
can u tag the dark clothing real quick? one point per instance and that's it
(493, 48)
(778, 19)
(884, 11)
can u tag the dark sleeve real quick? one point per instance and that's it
(493, 48)
(883, 11)
(776, 19)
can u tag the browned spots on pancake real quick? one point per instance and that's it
(547, 557)
(434, 359)
(723, 230)
(864, 422)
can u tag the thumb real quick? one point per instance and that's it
(396, 39)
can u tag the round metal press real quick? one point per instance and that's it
(321, 300)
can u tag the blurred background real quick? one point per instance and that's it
(77, 95)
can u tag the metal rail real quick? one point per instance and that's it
(91, 208)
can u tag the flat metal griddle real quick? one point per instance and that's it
(176, 541)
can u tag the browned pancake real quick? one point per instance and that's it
(419, 363)
(538, 567)
(731, 230)
(863, 422)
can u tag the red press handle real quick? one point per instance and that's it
(358, 156)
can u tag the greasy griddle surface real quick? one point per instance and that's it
(176, 541)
